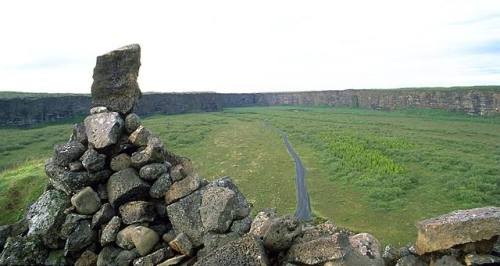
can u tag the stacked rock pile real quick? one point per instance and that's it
(116, 196)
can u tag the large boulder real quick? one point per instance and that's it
(46, 216)
(103, 129)
(247, 250)
(115, 79)
(456, 228)
(124, 186)
(28, 250)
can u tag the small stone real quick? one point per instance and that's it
(173, 261)
(321, 250)
(261, 220)
(152, 171)
(140, 136)
(217, 208)
(56, 258)
(120, 162)
(67, 152)
(79, 134)
(110, 231)
(75, 166)
(144, 239)
(103, 129)
(153, 153)
(279, 233)
(124, 237)
(86, 201)
(70, 224)
(93, 161)
(132, 122)
(247, 250)
(368, 246)
(124, 186)
(88, 258)
(182, 188)
(126, 257)
(410, 260)
(160, 186)
(103, 215)
(241, 226)
(79, 239)
(137, 212)
(456, 228)
(108, 255)
(182, 244)
(98, 110)
(24, 250)
(115, 79)
(154, 258)
(481, 259)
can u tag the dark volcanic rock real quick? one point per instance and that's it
(132, 122)
(247, 250)
(124, 186)
(103, 215)
(152, 171)
(68, 152)
(103, 129)
(160, 186)
(93, 161)
(67, 181)
(108, 255)
(185, 217)
(217, 209)
(110, 231)
(153, 153)
(80, 238)
(79, 134)
(24, 251)
(115, 79)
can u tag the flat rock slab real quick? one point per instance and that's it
(456, 228)
(115, 79)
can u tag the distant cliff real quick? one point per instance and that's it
(28, 111)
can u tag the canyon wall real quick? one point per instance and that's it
(28, 111)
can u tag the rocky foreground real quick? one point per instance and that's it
(116, 196)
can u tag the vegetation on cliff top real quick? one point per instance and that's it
(365, 169)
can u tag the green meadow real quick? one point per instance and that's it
(370, 171)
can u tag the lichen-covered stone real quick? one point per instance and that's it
(79, 239)
(120, 162)
(144, 239)
(185, 217)
(153, 153)
(78, 134)
(140, 136)
(279, 233)
(132, 122)
(46, 216)
(137, 211)
(241, 226)
(212, 241)
(152, 171)
(242, 208)
(103, 129)
(103, 215)
(108, 255)
(70, 224)
(56, 258)
(93, 161)
(457, 227)
(86, 201)
(124, 186)
(182, 188)
(110, 231)
(115, 79)
(182, 244)
(218, 205)
(67, 152)
(160, 186)
(24, 250)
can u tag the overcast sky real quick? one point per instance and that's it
(245, 46)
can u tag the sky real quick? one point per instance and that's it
(253, 46)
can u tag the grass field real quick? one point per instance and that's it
(367, 170)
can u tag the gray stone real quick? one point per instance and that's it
(218, 205)
(46, 216)
(481, 259)
(160, 186)
(446, 260)
(144, 239)
(98, 110)
(154, 258)
(110, 231)
(153, 153)
(173, 261)
(169, 236)
(86, 201)
(182, 188)
(120, 162)
(182, 169)
(78, 134)
(390, 255)
(279, 233)
(137, 212)
(261, 220)
(309, 233)
(132, 122)
(79, 239)
(140, 136)
(124, 237)
(126, 257)
(410, 260)
(24, 250)
(185, 217)
(70, 224)
(56, 258)
(456, 228)
(93, 161)
(108, 255)
(67, 152)
(152, 171)
(241, 226)
(103, 129)
(242, 208)
(103, 215)
(182, 244)
(10, 230)
(115, 79)
(247, 250)
(368, 246)
(124, 186)
(69, 182)
(212, 241)
(76, 166)
(88, 258)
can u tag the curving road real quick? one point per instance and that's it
(303, 211)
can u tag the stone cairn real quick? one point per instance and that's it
(116, 196)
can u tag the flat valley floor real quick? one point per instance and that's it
(365, 169)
